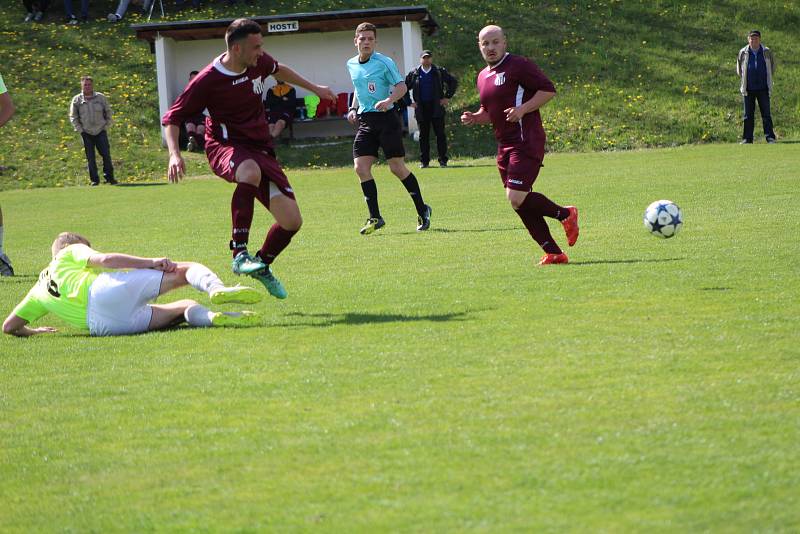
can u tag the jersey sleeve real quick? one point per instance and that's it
(532, 78)
(30, 308)
(79, 254)
(190, 103)
(393, 75)
(268, 63)
(2, 85)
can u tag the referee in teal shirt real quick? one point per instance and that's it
(378, 85)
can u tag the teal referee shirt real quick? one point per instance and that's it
(373, 80)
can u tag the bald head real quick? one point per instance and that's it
(492, 44)
(491, 28)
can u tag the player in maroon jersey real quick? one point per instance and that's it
(512, 89)
(238, 144)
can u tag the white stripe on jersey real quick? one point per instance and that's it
(224, 130)
(518, 103)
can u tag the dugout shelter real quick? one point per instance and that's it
(315, 44)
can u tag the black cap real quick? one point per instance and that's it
(754, 32)
(425, 53)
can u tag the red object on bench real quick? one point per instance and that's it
(342, 103)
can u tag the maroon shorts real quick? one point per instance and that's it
(225, 159)
(275, 116)
(518, 169)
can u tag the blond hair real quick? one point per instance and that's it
(66, 239)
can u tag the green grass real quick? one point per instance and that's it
(430, 382)
(630, 74)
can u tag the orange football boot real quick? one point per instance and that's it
(571, 225)
(549, 259)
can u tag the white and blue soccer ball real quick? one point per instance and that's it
(663, 218)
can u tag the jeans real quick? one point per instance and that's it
(426, 119)
(750, 111)
(100, 142)
(84, 8)
(122, 8)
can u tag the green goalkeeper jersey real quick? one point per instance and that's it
(63, 288)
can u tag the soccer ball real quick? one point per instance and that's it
(663, 218)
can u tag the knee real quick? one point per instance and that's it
(182, 268)
(399, 169)
(515, 199)
(248, 173)
(293, 224)
(363, 171)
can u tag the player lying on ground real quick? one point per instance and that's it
(512, 89)
(75, 287)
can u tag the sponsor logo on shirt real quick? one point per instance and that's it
(240, 80)
(500, 79)
(515, 182)
(371, 87)
(258, 85)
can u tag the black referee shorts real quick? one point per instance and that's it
(379, 130)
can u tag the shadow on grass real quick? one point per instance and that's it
(140, 184)
(348, 318)
(715, 288)
(460, 166)
(20, 279)
(451, 231)
(637, 260)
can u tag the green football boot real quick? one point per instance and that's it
(371, 225)
(244, 263)
(235, 295)
(273, 285)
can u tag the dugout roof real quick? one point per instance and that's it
(325, 21)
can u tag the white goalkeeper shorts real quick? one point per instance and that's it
(119, 302)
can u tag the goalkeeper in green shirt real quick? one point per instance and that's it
(91, 291)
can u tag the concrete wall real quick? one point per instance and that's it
(319, 57)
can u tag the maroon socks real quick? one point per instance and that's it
(242, 216)
(532, 212)
(278, 238)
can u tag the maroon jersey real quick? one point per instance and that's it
(234, 103)
(509, 83)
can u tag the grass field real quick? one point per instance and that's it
(430, 382)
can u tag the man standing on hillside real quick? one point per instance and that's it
(90, 115)
(431, 87)
(755, 65)
(238, 144)
(6, 112)
(512, 89)
(378, 86)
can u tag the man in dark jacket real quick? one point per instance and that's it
(431, 88)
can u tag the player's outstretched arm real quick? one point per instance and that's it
(176, 168)
(478, 117)
(114, 260)
(288, 75)
(15, 325)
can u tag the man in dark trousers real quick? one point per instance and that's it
(431, 88)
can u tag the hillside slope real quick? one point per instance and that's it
(630, 74)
